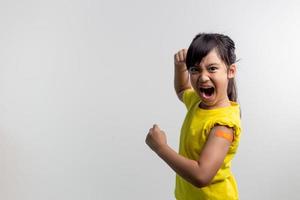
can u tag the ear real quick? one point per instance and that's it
(231, 71)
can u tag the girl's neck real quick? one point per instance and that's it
(225, 102)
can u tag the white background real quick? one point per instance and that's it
(82, 81)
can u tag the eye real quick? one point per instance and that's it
(193, 70)
(212, 69)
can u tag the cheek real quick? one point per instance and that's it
(193, 80)
(222, 84)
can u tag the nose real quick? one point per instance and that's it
(203, 77)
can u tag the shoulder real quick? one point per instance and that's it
(228, 116)
(223, 132)
(228, 121)
(189, 97)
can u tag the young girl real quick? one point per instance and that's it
(210, 134)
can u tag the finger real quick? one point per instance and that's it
(181, 56)
(147, 139)
(184, 53)
(155, 126)
(176, 57)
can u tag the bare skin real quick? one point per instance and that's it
(181, 75)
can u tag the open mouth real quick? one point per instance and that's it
(207, 92)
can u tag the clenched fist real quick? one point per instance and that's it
(179, 59)
(156, 138)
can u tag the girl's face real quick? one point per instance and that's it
(210, 79)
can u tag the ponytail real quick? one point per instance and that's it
(232, 90)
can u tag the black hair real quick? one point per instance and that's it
(203, 43)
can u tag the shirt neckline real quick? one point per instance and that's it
(232, 105)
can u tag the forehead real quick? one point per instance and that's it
(211, 58)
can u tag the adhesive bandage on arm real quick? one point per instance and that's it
(226, 136)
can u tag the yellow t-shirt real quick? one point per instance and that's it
(194, 133)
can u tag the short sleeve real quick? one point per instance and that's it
(231, 121)
(189, 98)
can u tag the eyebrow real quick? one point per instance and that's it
(207, 65)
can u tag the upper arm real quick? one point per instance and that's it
(214, 151)
(180, 94)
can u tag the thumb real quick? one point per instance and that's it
(155, 126)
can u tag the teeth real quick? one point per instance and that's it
(203, 89)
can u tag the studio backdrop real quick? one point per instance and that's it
(81, 83)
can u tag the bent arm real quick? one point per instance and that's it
(200, 172)
(181, 75)
(188, 169)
